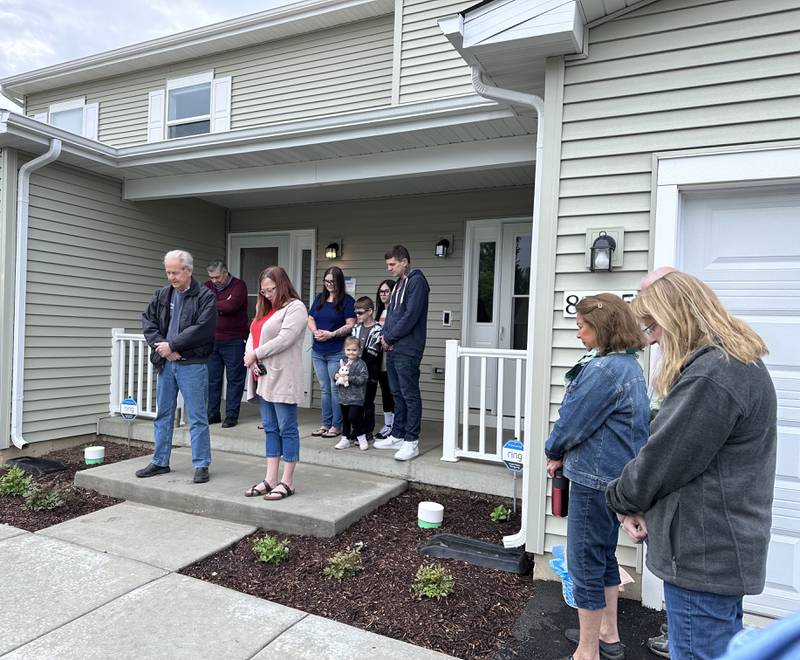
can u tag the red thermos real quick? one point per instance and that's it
(560, 494)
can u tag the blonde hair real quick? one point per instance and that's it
(691, 317)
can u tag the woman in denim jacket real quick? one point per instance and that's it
(603, 423)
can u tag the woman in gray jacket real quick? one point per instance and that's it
(701, 489)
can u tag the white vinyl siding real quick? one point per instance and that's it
(327, 72)
(93, 264)
(368, 228)
(430, 67)
(676, 74)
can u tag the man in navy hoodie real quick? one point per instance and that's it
(403, 340)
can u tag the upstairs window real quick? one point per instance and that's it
(75, 116)
(193, 105)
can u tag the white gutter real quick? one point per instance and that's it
(537, 103)
(20, 292)
(14, 100)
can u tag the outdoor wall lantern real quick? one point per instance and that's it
(333, 251)
(442, 248)
(602, 253)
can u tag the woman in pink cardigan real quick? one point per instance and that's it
(273, 357)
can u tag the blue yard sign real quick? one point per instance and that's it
(129, 409)
(512, 455)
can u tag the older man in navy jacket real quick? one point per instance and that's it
(179, 325)
(404, 335)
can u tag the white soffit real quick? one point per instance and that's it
(279, 23)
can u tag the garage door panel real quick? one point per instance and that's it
(745, 244)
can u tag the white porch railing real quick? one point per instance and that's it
(456, 441)
(132, 373)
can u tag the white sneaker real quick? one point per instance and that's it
(409, 450)
(384, 433)
(388, 443)
(363, 443)
(344, 443)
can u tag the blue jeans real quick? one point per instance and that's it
(325, 366)
(700, 623)
(191, 380)
(403, 373)
(280, 427)
(228, 357)
(591, 546)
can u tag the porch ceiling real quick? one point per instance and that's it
(487, 178)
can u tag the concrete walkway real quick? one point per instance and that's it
(103, 586)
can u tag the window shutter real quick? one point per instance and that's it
(221, 105)
(155, 116)
(91, 114)
(40, 116)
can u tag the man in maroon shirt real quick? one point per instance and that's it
(229, 341)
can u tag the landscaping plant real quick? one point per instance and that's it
(43, 499)
(270, 550)
(500, 514)
(433, 581)
(15, 482)
(345, 563)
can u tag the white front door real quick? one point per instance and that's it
(496, 292)
(250, 253)
(746, 246)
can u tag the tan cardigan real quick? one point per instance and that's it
(282, 355)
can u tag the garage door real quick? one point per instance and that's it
(746, 246)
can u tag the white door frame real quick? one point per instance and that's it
(298, 240)
(758, 165)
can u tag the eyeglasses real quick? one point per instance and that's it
(648, 330)
(264, 292)
(329, 282)
(359, 312)
(384, 292)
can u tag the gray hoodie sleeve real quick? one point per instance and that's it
(695, 421)
(358, 373)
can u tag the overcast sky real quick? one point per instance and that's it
(38, 33)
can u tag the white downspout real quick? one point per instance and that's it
(537, 103)
(21, 283)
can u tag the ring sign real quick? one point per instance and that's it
(129, 409)
(512, 455)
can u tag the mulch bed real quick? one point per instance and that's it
(473, 622)
(78, 500)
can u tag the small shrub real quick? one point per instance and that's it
(43, 499)
(15, 482)
(433, 581)
(501, 514)
(270, 550)
(345, 563)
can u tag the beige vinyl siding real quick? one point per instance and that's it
(332, 71)
(93, 264)
(676, 74)
(430, 67)
(368, 228)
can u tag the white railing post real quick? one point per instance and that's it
(113, 400)
(450, 431)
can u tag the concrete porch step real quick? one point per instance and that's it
(327, 500)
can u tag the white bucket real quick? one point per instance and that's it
(430, 515)
(94, 455)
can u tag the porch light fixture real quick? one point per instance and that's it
(333, 251)
(602, 253)
(442, 248)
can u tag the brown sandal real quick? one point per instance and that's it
(322, 430)
(332, 432)
(254, 492)
(283, 494)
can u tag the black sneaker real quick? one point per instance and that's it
(230, 422)
(152, 470)
(608, 651)
(201, 475)
(214, 419)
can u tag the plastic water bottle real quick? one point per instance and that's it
(559, 565)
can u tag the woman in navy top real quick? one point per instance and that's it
(330, 319)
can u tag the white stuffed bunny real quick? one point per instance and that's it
(343, 375)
